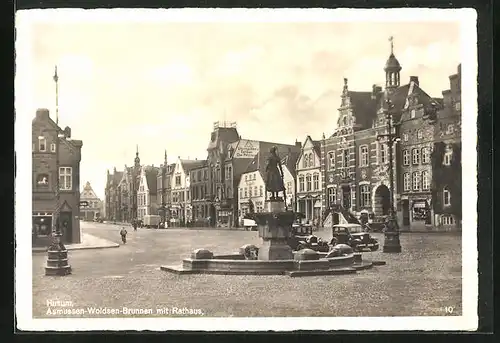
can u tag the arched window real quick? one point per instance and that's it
(304, 161)
(308, 182)
(316, 181)
(311, 160)
(420, 134)
(446, 197)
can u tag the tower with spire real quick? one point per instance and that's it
(137, 160)
(392, 69)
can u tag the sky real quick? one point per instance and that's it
(162, 85)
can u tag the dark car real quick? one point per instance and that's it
(353, 235)
(303, 238)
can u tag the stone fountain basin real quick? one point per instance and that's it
(236, 264)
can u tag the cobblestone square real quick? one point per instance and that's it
(421, 281)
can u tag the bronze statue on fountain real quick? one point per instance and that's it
(274, 176)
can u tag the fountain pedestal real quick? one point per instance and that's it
(275, 228)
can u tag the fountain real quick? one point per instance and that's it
(275, 256)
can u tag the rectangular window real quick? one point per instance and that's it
(363, 156)
(187, 195)
(406, 181)
(425, 181)
(448, 154)
(250, 192)
(457, 106)
(446, 197)
(332, 196)
(331, 158)
(426, 155)
(416, 156)
(406, 157)
(316, 182)
(416, 181)
(301, 183)
(53, 147)
(42, 144)
(65, 178)
(412, 114)
(261, 190)
(246, 192)
(383, 153)
(177, 180)
(365, 195)
(308, 183)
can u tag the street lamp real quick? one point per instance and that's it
(57, 261)
(391, 232)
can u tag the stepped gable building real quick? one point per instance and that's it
(180, 207)
(309, 180)
(200, 202)
(147, 192)
(355, 164)
(45, 133)
(93, 208)
(112, 195)
(446, 159)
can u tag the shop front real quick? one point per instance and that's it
(42, 228)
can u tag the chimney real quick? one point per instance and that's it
(459, 69)
(414, 79)
(42, 113)
(298, 144)
(374, 92)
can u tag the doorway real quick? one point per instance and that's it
(382, 201)
(405, 205)
(66, 223)
(212, 214)
(346, 197)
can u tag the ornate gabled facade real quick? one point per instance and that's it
(93, 205)
(309, 180)
(147, 192)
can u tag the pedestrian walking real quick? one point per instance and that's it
(123, 233)
(134, 224)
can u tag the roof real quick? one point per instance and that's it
(392, 63)
(398, 98)
(364, 108)
(290, 161)
(188, 165)
(225, 134)
(117, 177)
(285, 151)
(151, 178)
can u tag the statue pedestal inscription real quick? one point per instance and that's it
(274, 229)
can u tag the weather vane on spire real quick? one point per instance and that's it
(391, 39)
(56, 79)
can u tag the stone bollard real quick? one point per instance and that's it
(306, 255)
(202, 254)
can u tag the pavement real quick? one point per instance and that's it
(89, 241)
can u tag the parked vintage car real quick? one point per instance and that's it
(353, 235)
(303, 238)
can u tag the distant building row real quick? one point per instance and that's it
(350, 167)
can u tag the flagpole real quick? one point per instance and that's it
(56, 79)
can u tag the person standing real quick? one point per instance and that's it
(123, 234)
(134, 224)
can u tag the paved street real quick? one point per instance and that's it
(420, 281)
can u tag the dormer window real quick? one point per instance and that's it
(42, 144)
